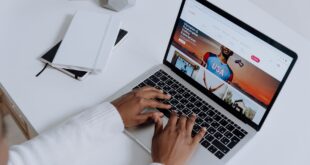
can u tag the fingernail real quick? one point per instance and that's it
(204, 129)
(194, 114)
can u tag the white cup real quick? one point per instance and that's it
(117, 5)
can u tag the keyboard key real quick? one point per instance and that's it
(186, 95)
(172, 92)
(211, 130)
(209, 138)
(199, 121)
(224, 140)
(239, 134)
(217, 118)
(149, 82)
(142, 84)
(180, 107)
(186, 111)
(163, 78)
(223, 122)
(190, 105)
(175, 86)
(204, 124)
(178, 97)
(236, 126)
(196, 128)
(166, 88)
(163, 72)
(192, 99)
(218, 135)
(219, 154)
(243, 131)
(205, 143)
(220, 146)
(230, 127)
(212, 149)
(184, 101)
(209, 120)
(228, 134)
(181, 90)
(169, 82)
(204, 108)
(196, 110)
(202, 115)
(198, 104)
(154, 79)
(234, 140)
(158, 73)
(174, 101)
(210, 113)
(215, 124)
(221, 129)
(225, 118)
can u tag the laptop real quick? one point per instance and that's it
(221, 69)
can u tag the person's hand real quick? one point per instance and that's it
(131, 105)
(174, 144)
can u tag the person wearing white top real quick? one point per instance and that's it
(171, 145)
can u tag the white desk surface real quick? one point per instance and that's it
(30, 28)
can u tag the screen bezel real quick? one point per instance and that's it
(251, 30)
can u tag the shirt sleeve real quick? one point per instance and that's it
(205, 58)
(156, 164)
(83, 130)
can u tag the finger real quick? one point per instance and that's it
(158, 127)
(199, 136)
(172, 120)
(148, 88)
(190, 124)
(145, 117)
(155, 116)
(154, 104)
(152, 94)
(181, 123)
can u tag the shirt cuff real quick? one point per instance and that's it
(101, 115)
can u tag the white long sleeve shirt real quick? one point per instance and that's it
(71, 143)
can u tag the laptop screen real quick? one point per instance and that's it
(232, 64)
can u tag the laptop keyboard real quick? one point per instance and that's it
(222, 133)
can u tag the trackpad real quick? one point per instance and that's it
(143, 134)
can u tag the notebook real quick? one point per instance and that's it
(88, 42)
(49, 56)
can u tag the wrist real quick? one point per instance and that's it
(120, 114)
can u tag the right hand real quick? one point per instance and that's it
(174, 144)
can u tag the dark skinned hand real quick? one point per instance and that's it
(131, 105)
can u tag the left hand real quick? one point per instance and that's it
(131, 105)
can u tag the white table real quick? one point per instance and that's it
(30, 28)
